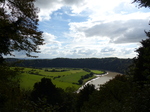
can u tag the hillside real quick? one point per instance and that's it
(111, 64)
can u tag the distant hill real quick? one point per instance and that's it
(111, 64)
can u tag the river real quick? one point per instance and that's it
(100, 79)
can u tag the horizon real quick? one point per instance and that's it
(64, 58)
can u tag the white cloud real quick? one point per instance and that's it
(51, 44)
(112, 28)
(118, 31)
(47, 7)
(48, 37)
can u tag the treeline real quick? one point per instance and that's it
(80, 81)
(111, 64)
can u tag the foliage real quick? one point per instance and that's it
(142, 3)
(140, 69)
(86, 69)
(45, 94)
(111, 96)
(142, 62)
(87, 76)
(18, 27)
(18, 32)
(119, 65)
(84, 96)
(45, 90)
(118, 95)
(9, 88)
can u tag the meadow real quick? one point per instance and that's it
(97, 72)
(61, 77)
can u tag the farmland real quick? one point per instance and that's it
(61, 77)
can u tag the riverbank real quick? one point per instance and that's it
(100, 79)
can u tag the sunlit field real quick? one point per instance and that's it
(61, 77)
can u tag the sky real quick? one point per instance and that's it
(91, 28)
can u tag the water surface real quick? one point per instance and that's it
(101, 79)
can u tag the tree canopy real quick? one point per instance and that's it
(143, 3)
(141, 65)
(142, 62)
(119, 65)
(18, 27)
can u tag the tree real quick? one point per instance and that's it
(141, 65)
(18, 27)
(110, 97)
(46, 90)
(18, 32)
(9, 88)
(84, 95)
(142, 3)
(142, 62)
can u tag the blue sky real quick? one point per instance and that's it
(91, 28)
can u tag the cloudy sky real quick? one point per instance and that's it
(91, 28)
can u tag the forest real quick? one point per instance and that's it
(19, 31)
(110, 64)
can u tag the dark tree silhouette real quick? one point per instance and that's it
(84, 96)
(119, 65)
(141, 66)
(18, 27)
(142, 3)
(46, 91)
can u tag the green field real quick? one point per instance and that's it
(98, 72)
(62, 78)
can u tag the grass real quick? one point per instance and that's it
(85, 80)
(98, 72)
(73, 77)
(27, 81)
(64, 85)
(68, 78)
